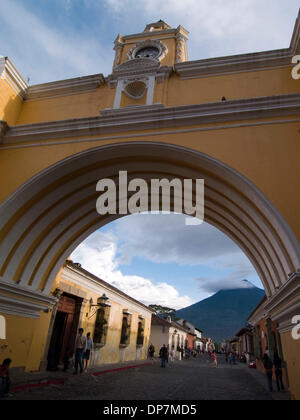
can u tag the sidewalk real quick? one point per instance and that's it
(262, 380)
(28, 380)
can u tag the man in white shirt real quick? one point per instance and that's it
(80, 347)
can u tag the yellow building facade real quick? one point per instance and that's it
(232, 121)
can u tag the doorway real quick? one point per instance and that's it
(66, 321)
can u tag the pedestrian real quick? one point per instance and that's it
(268, 365)
(278, 372)
(172, 354)
(80, 347)
(88, 351)
(151, 351)
(5, 378)
(163, 354)
(214, 360)
(232, 358)
(182, 352)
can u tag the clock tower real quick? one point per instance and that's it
(144, 60)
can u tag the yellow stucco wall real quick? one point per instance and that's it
(265, 154)
(291, 351)
(172, 92)
(112, 352)
(25, 341)
(10, 103)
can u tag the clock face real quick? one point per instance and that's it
(147, 52)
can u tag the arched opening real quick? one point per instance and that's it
(46, 219)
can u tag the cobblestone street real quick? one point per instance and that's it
(184, 380)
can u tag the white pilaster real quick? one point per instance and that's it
(150, 91)
(119, 90)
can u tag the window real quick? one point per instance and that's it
(140, 333)
(125, 330)
(101, 326)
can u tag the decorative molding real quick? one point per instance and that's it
(118, 47)
(286, 294)
(158, 34)
(12, 306)
(295, 41)
(64, 87)
(15, 303)
(3, 129)
(149, 133)
(143, 117)
(139, 68)
(180, 48)
(9, 72)
(26, 292)
(235, 64)
(284, 318)
(136, 89)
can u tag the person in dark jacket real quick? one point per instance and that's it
(268, 365)
(5, 378)
(278, 372)
(163, 354)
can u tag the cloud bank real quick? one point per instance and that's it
(98, 253)
(164, 239)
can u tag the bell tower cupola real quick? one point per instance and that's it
(142, 60)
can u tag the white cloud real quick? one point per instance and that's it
(220, 27)
(166, 239)
(46, 52)
(97, 254)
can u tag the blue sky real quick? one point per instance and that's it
(156, 260)
(58, 39)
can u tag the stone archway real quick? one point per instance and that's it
(45, 219)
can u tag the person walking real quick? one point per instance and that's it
(278, 372)
(214, 360)
(5, 378)
(80, 347)
(163, 354)
(88, 351)
(172, 354)
(151, 351)
(268, 365)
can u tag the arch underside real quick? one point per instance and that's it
(49, 216)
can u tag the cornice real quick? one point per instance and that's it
(284, 318)
(172, 31)
(295, 41)
(157, 116)
(64, 87)
(96, 285)
(285, 304)
(23, 301)
(139, 68)
(267, 60)
(9, 72)
(25, 292)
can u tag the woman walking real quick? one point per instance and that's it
(88, 351)
(268, 365)
(278, 372)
